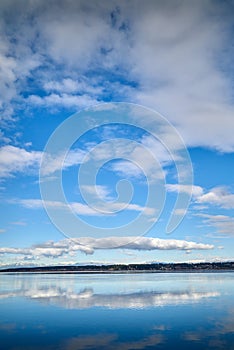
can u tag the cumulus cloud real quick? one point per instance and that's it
(172, 56)
(88, 245)
(144, 243)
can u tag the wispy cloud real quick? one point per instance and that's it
(19, 223)
(78, 208)
(224, 224)
(84, 209)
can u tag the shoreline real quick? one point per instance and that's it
(126, 269)
(98, 272)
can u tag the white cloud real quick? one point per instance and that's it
(17, 57)
(222, 223)
(218, 196)
(180, 211)
(127, 169)
(88, 245)
(78, 208)
(3, 138)
(71, 86)
(96, 191)
(19, 223)
(19, 160)
(14, 159)
(61, 160)
(161, 151)
(134, 158)
(196, 191)
(84, 209)
(66, 86)
(172, 56)
(179, 46)
(143, 243)
(115, 207)
(65, 100)
(7, 86)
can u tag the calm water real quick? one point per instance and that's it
(135, 311)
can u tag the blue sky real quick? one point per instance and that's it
(170, 64)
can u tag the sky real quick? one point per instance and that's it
(117, 123)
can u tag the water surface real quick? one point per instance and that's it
(117, 311)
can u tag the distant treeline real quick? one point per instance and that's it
(154, 267)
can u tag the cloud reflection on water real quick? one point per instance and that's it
(74, 293)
